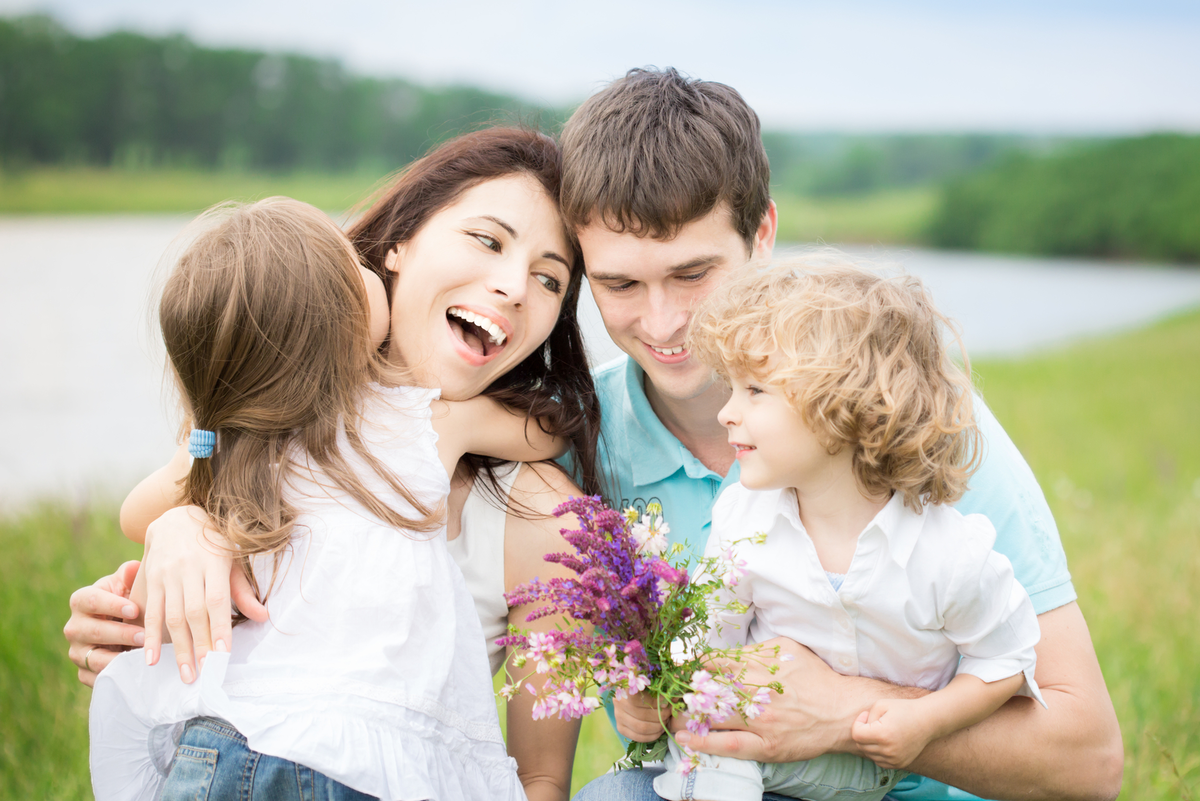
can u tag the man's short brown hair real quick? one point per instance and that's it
(653, 151)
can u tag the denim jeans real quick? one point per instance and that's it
(212, 762)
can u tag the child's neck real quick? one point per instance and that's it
(834, 512)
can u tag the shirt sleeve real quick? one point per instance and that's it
(1005, 490)
(987, 613)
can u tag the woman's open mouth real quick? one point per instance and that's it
(481, 335)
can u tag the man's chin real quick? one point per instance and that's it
(677, 382)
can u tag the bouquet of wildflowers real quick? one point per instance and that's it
(633, 622)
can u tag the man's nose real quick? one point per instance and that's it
(666, 317)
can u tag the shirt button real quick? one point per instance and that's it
(845, 661)
(846, 624)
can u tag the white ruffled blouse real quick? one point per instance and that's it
(372, 669)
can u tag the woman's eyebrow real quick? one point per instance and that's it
(550, 254)
(511, 231)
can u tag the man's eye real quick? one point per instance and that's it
(489, 242)
(692, 277)
(623, 287)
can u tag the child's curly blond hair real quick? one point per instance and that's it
(861, 357)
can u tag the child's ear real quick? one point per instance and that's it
(379, 320)
(391, 262)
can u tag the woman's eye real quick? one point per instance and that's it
(550, 282)
(489, 242)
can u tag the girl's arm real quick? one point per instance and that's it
(893, 732)
(544, 749)
(486, 427)
(156, 493)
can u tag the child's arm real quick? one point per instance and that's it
(156, 493)
(488, 428)
(893, 732)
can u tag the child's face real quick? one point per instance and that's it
(775, 447)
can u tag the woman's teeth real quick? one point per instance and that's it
(668, 351)
(493, 331)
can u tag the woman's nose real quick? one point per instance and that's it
(510, 279)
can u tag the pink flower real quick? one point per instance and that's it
(732, 568)
(753, 707)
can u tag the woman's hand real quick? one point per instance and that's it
(95, 629)
(190, 578)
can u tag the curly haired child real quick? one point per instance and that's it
(854, 432)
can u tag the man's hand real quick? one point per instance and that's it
(190, 578)
(812, 717)
(95, 629)
(891, 733)
(640, 718)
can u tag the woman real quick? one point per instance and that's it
(536, 365)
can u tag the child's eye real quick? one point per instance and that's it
(753, 390)
(489, 242)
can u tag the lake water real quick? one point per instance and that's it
(83, 411)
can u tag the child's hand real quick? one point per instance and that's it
(892, 733)
(640, 718)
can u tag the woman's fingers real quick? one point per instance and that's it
(243, 595)
(189, 566)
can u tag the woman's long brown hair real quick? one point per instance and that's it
(265, 322)
(553, 383)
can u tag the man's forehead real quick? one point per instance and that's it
(709, 240)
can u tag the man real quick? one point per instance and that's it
(666, 184)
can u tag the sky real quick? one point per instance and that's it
(1054, 67)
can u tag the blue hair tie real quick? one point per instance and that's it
(201, 442)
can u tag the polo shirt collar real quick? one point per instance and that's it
(656, 452)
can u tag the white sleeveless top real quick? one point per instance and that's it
(372, 669)
(479, 552)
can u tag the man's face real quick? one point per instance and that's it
(646, 289)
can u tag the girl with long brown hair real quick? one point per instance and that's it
(484, 250)
(325, 469)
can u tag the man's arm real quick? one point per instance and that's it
(1072, 750)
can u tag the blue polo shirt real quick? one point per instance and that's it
(643, 462)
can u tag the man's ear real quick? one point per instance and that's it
(764, 237)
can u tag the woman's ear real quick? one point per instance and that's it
(391, 262)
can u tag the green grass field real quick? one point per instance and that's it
(1109, 426)
(91, 190)
(891, 217)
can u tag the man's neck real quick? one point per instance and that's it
(694, 423)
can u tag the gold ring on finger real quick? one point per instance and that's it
(86, 666)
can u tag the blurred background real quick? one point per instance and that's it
(1036, 163)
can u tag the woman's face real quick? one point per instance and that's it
(480, 286)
